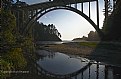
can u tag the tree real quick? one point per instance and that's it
(8, 26)
(93, 36)
(108, 8)
(6, 4)
(112, 25)
(107, 12)
(8, 44)
(46, 32)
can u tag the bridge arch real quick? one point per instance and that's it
(43, 12)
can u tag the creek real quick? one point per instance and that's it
(60, 65)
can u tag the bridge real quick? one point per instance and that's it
(27, 15)
(84, 73)
(65, 76)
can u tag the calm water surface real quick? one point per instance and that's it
(57, 63)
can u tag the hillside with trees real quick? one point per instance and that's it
(44, 32)
(92, 36)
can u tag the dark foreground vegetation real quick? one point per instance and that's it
(17, 57)
(13, 46)
(112, 25)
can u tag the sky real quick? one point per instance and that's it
(70, 24)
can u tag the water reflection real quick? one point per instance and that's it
(74, 67)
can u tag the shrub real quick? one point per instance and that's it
(16, 58)
(4, 66)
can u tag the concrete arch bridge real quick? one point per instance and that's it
(27, 15)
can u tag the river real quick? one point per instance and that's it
(60, 65)
(56, 42)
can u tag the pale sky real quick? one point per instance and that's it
(70, 24)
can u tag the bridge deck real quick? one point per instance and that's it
(54, 3)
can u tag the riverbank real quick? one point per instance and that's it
(106, 52)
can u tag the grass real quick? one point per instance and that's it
(89, 44)
(105, 45)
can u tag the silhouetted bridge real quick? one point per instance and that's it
(27, 15)
(65, 76)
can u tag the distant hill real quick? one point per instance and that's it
(77, 39)
(92, 36)
(80, 39)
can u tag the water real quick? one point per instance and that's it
(56, 42)
(49, 42)
(56, 63)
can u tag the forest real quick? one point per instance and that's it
(44, 32)
(112, 25)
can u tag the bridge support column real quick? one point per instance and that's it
(82, 75)
(76, 5)
(89, 72)
(89, 10)
(97, 6)
(75, 77)
(82, 7)
(97, 77)
(106, 72)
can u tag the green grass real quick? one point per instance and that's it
(89, 44)
(101, 45)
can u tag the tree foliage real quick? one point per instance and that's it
(46, 32)
(6, 4)
(108, 8)
(16, 58)
(8, 24)
(112, 26)
(5, 66)
(93, 36)
(11, 51)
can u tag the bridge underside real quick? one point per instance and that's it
(41, 13)
(33, 12)
(54, 3)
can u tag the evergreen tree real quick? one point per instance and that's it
(111, 26)
(46, 32)
(8, 26)
(11, 54)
